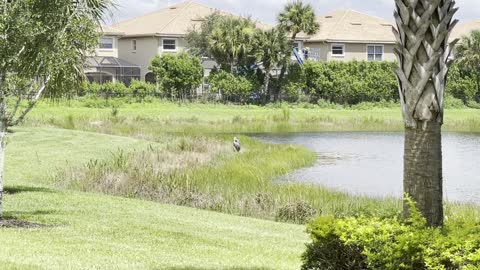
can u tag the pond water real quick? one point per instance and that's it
(372, 163)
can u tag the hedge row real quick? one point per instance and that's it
(137, 89)
(346, 83)
(342, 82)
(356, 82)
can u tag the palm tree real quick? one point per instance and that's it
(423, 52)
(271, 48)
(468, 55)
(231, 41)
(298, 17)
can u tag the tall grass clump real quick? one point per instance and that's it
(205, 173)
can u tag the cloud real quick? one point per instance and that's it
(267, 10)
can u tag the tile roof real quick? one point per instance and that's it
(353, 26)
(109, 30)
(175, 20)
(464, 29)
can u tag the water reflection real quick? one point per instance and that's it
(372, 163)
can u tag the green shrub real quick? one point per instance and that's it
(233, 88)
(350, 82)
(375, 243)
(178, 75)
(141, 90)
(462, 85)
(453, 103)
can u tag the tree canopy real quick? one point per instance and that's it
(298, 17)
(177, 74)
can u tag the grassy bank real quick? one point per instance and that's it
(164, 152)
(234, 183)
(95, 231)
(211, 118)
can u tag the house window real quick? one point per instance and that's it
(169, 45)
(106, 43)
(134, 45)
(375, 52)
(338, 50)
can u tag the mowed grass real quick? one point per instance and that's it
(95, 231)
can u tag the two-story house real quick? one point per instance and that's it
(162, 32)
(127, 48)
(347, 35)
(105, 65)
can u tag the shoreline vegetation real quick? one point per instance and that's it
(189, 118)
(182, 154)
(199, 169)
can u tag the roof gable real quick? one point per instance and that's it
(353, 26)
(464, 29)
(175, 20)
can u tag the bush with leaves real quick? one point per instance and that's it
(141, 89)
(389, 244)
(233, 88)
(462, 84)
(177, 74)
(349, 82)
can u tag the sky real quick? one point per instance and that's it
(267, 10)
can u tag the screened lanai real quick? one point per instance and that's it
(111, 69)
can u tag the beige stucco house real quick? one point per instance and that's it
(347, 35)
(104, 65)
(344, 35)
(161, 32)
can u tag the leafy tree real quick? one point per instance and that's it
(232, 87)
(468, 55)
(231, 42)
(43, 46)
(198, 39)
(423, 52)
(462, 84)
(177, 74)
(298, 17)
(271, 47)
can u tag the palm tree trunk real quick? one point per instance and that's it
(266, 82)
(423, 171)
(283, 71)
(422, 34)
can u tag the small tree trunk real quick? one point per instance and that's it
(266, 83)
(423, 179)
(3, 134)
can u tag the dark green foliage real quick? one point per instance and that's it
(462, 83)
(141, 89)
(375, 243)
(328, 251)
(345, 82)
(232, 87)
(468, 61)
(178, 75)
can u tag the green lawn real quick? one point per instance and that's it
(95, 231)
(91, 231)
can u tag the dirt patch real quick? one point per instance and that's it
(19, 224)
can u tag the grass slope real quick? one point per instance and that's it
(92, 231)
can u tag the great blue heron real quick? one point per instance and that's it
(236, 144)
